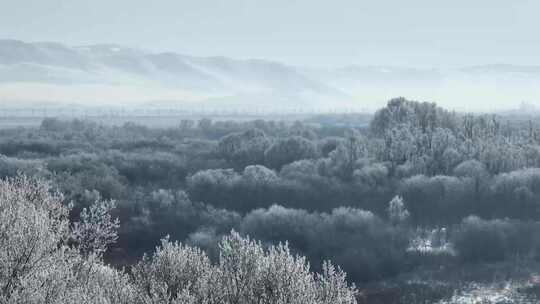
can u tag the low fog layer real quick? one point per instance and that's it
(53, 73)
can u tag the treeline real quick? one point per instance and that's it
(419, 185)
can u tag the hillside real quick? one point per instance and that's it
(109, 74)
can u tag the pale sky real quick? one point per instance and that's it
(419, 33)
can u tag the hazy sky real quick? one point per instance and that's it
(306, 32)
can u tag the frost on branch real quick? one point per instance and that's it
(96, 229)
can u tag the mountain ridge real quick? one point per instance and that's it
(218, 80)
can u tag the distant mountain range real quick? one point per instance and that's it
(108, 74)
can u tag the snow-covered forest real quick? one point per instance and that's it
(423, 205)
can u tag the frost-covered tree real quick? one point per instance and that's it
(371, 177)
(258, 175)
(397, 212)
(175, 273)
(96, 229)
(37, 264)
(475, 170)
(345, 157)
(244, 148)
(400, 145)
(289, 149)
(245, 273)
(32, 226)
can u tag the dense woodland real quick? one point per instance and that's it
(418, 188)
